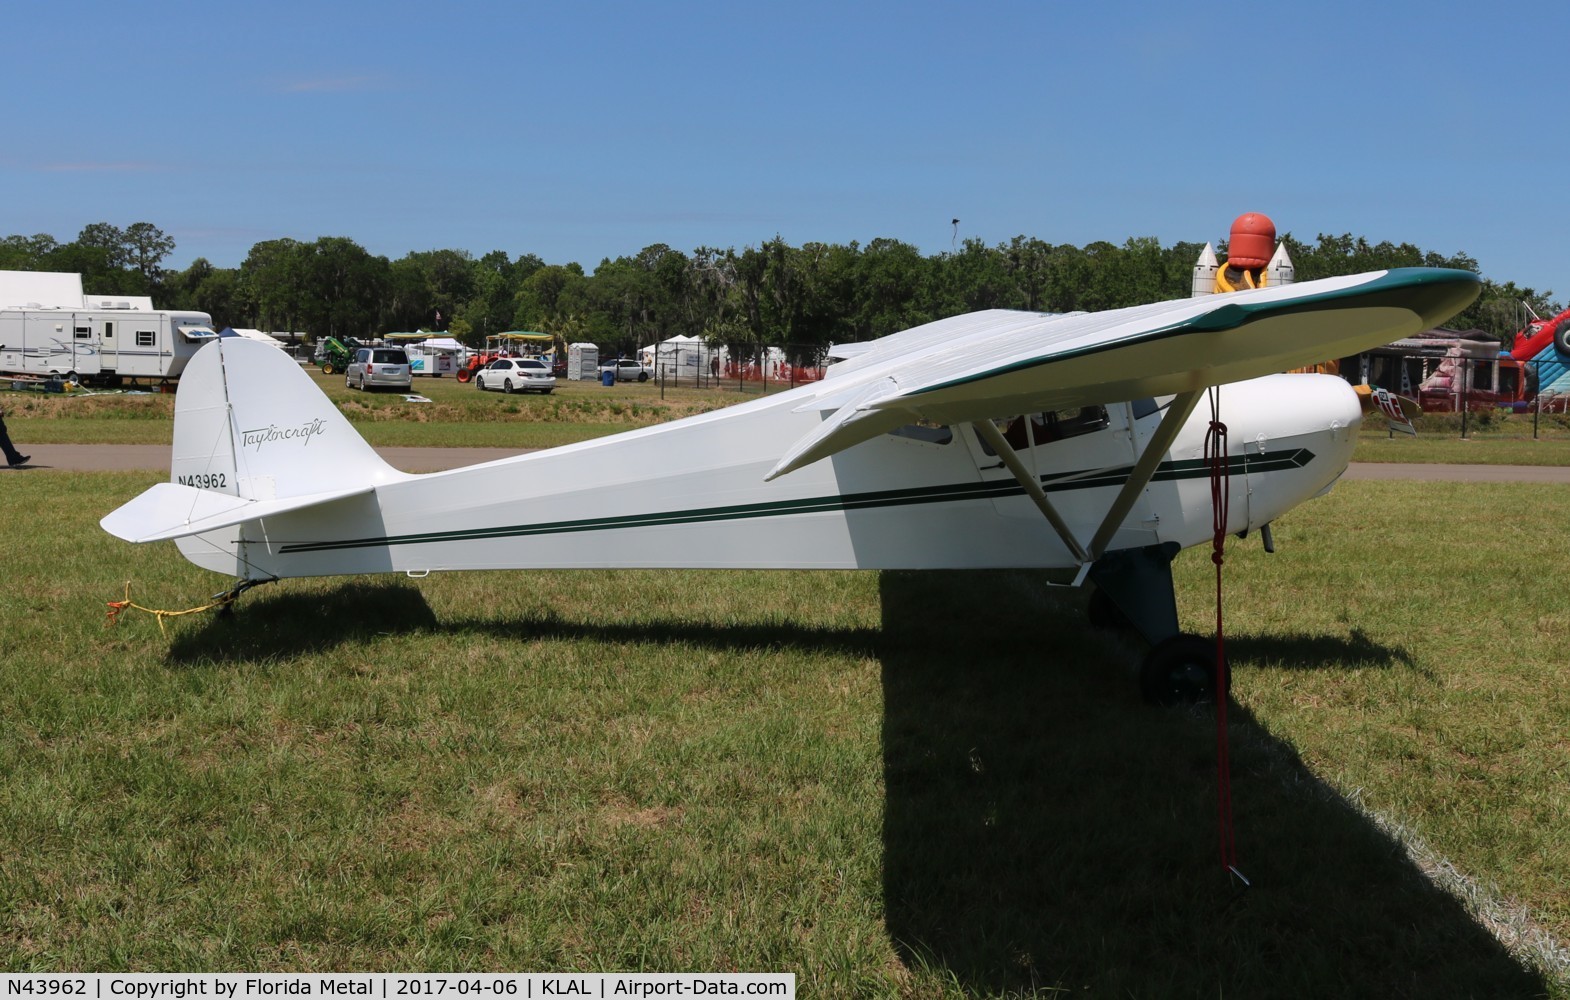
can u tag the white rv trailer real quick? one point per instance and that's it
(101, 346)
(48, 327)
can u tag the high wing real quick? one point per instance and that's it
(999, 363)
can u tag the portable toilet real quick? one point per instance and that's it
(583, 362)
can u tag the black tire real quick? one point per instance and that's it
(1181, 670)
(643, 376)
(1562, 339)
(346, 383)
(507, 386)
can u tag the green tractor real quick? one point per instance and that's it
(335, 355)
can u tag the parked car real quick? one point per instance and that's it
(627, 370)
(516, 375)
(374, 367)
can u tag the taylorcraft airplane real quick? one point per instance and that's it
(993, 439)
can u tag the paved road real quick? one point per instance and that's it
(155, 458)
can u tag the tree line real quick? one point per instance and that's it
(800, 297)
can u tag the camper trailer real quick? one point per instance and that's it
(100, 346)
(49, 327)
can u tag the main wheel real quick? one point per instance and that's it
(1181, 670)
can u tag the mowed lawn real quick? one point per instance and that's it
(896, 784)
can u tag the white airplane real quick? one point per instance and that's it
(993, 439)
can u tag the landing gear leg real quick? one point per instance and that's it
(1137, 584)
(227, 599)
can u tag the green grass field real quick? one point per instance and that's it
(895, 784)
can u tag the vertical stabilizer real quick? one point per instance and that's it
(250, 422)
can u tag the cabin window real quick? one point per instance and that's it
(1084, 420)
(83, 332)
(1045, 428)
(108, 331)
(144, 338)
(924, 431)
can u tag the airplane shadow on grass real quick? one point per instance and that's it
(1044, 829)
(1301, 651)
(270, 626)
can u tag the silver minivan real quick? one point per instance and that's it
(374, 367)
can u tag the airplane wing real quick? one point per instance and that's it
(999, 363)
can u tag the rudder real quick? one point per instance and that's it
(250, 422)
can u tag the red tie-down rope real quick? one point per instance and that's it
(1216, 462)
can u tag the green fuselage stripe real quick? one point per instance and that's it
(995, 489)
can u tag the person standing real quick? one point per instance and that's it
(13, 457)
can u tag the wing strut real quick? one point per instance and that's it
(1166, 432)
(990, 434)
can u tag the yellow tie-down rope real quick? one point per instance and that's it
(115, 607)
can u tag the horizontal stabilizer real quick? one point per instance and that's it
(169, 510)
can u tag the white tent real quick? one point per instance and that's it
(40, 289)
(256, 335)
(677, 354)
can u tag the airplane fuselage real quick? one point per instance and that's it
(692, 494)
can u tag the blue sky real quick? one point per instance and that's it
(582, 131)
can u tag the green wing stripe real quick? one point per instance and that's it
(1440, 288)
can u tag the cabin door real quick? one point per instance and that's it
(1080, 456)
